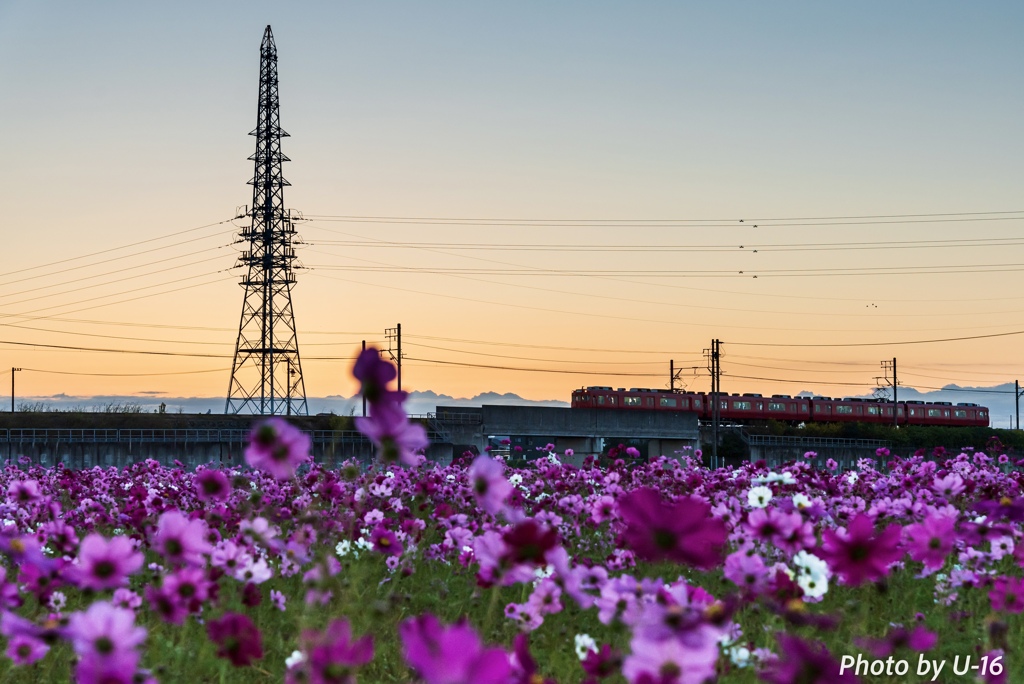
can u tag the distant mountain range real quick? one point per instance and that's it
(999, 399)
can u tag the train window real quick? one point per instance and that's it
(668, 401)
(803, 408)
(725, 404)
(776, 406)
(934, 413)
(844, 409)
(859, 410)
(913, 411)
(760, 406)
(631, 401)
(650, 401)
(684, 402)
(611, 400)
(696, 403)
(600, 400)
(817, 408)
(959, 414)
(741, 405)
(872, 410)
(982, 414)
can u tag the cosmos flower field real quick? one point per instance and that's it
(648, 572)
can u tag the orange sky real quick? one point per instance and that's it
(597, 178)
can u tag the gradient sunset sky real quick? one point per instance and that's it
(544, 195)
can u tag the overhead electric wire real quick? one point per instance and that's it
(878, 344)
(534, 346)
(529, 358)
(118, 258)
(559, 371)
(126, 375)
(726, 249)
(114, 249)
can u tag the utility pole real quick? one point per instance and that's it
(364, 396)
(1016, 401)
(13, 371)
(266, 375)
(715, 368)
(671, 375)
(894, 383)
(395, 335)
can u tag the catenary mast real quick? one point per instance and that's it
(266, 375)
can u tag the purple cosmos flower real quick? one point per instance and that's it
(396, 438)
(21, 492)
(384, 541)
(920, 639)
(802, 662)
(277, 447)
(332, 657)
(181, 540)
(212, 485)
(746, 571)
(681, 531)
(859, 555)
(672, 661)
(106, 564)
(930, 541)
(374, 373)
(487, 478)
(25, 650)
(451, 655)
(237, 639)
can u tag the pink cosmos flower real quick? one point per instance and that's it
(487, 478)
(949, 486)
(451, 655)
(119, 669)
(681, 531)
(858, 555)
(384, 541)
(278, 448)
(106, 564)
(181, 540)
(25, 650)
(106, 632)
(746, 571)
(21, 492)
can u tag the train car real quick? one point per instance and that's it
(755, 407)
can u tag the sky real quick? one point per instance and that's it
(544, 195)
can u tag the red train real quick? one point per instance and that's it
(782, 407)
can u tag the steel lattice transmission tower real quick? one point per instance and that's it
(266, 376)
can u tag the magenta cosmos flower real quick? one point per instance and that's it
(451, 655)
(680, 532)
(930, 541)
(105, 564)
(1007, 594)
(277, 447)
(860, 555)
(212, 485)
(801, 662)
(237, 639)
(332, 657)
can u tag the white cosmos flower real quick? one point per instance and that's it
(296, 658)
(740, 656)
(584, 644)
(758, 497)
(801, 501)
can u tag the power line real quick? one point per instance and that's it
(881, 344)
(561, 371)
(529, 358)
(114, 249)
(126, 375)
